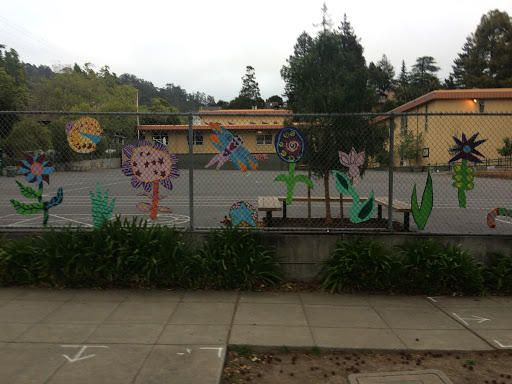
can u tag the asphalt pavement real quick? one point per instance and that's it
(50, 336)
(215, 192)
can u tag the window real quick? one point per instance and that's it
(481, 106)
(263, 139)
(426, 118)
(403, 125)
(197, 138)
(160, 137)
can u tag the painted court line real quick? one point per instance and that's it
(74, 221)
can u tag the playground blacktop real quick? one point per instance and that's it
(50, 336)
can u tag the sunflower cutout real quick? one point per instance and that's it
(149, 166)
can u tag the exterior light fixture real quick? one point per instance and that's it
(475, 101)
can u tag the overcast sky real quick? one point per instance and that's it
(206, 45)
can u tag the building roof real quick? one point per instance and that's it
(251, 127)
(248, 111)
(453, 94)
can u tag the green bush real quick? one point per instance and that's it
(430, 268)
(360, 265)
(234, 258)
(120, 253)
(498, 276)
(135, 254)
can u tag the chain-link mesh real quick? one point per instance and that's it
(446, 173)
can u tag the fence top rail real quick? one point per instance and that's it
(212, 114)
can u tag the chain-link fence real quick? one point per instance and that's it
(438, 173)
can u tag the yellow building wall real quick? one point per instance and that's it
(437, 133)
(177, 139)
(178, 143)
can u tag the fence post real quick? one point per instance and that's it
(191, 170)
(390, 170)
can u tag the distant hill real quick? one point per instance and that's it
(174, 94)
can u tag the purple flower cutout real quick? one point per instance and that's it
(353, 161)
(466, 149)
(148, 164)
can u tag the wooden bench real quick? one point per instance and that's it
(398, 206)
(269, 204)
(314, 199)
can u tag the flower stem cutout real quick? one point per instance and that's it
(36, 170)
(491, 216)
(101, 209)
(290, 146)
(421, 214)
(149, 166)
(358, 212)
(464, 177)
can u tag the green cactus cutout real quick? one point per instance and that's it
(290, 181)
(101, 209)
(421, 214)
(358, 212)
(463, 181)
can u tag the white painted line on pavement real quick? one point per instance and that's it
(501, 345)
(475, 318)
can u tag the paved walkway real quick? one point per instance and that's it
(145, 336)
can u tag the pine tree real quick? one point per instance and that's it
(486, 58)
(331, 76)
(250, 87)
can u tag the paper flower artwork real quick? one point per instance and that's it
(36, 170)
(149, 166)
(358, 212)
(290, 146)
(353, 161)
(464, 177)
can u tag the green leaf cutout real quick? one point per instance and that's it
(304, 179)
(366, 208)
(421, 214)
(29, 192)
(342, 182)
(282, 177)
(26, 209)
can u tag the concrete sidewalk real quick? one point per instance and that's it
(149, 336)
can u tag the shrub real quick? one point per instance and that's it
(498, 276)
(360, 265)
(430, 268)
(119, 253)
(234, 258)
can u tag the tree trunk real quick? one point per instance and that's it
(328, 217)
